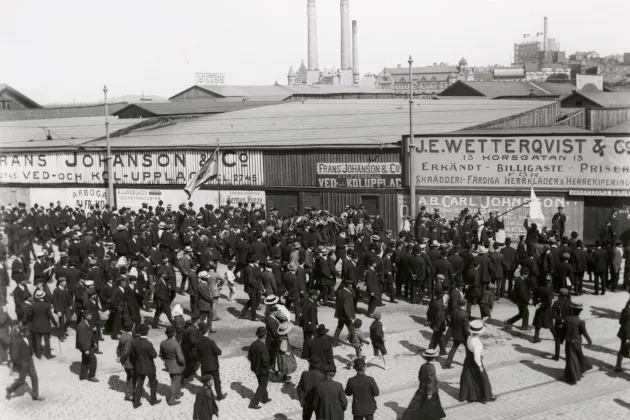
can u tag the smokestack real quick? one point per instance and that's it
(345, 35)
(545, 39)
(313, 61)
(355, 53)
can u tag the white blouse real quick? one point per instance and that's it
(474, 345)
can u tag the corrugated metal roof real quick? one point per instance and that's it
(246, 91)
(608, 99)
(524, 131)
(328, 89)
(195, 107)
(500, 89)
(33, 133)
(333, 123)
(67, 111)
(623, 128)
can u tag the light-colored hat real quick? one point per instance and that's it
(89, 283)
(271, 300)
(476, 327)
(284, 328)
(121, 227)
(162, 225)
(40, 294)
(482, 250)
(292, 267)
(188, 248)
(203, 275)
(178, 310)
(430, 354)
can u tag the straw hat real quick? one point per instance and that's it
(284, 328)
(476, 327)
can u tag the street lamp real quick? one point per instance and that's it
(110, 162)
(412, 174)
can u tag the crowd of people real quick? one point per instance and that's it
(97, 268)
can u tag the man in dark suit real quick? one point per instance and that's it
(307, 384)
(521, 296)
(141, 355)
(600, 260)
(459, 331)
(161, 300)
(41, 318)
(436, 318)
(443, 266)
(260, 363)
(20, 295)
(363, 390)
(330, 401)
(62, 307)
(320, 347)
(308, 321)
(252, 287)
(510, 262)
(190, 342)
(209, 353)
(85, 344)
(344, 310)
(26, 365)
(173, 357)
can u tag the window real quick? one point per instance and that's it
(6, 105)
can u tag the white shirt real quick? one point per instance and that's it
(474, 345)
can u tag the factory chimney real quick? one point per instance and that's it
(355, 54)
(345, 35)
(313, 63)
(546, 41)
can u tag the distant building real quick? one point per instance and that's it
(584, 56)
(531, 49)
(427, 80)
(12, 100)
(510, 90)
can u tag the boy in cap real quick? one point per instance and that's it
(377, 335)
(205, 402)
(356, 340)
(173, 357)
(486, 303)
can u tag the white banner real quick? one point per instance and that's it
(133, 198)
(85, 197)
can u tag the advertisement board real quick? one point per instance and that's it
(85, 197)
(520, 162)
(582, 80)
(359, 175)
(451, 205)
(215, 79)
(236, 167)
(133, 198)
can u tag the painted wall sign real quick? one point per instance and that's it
(236, 167)
(359, 175)
(84, 197)
(558, 162)
(133, 198)
(451, 205)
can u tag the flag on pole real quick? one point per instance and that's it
(207, 172)
(535, 210)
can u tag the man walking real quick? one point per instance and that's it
(41, 318)
(85, 344)
(259, 359)
(521, 299)
(24, 363)
(171, 354)
(363, 390)
(459, 331)
(142, 355)
(308, 320)
(209, 354)
(307, 384)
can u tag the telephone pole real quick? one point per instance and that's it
(410, 147)
(111, 200)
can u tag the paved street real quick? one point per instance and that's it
(529, 384)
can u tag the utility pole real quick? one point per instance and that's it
(111, 200)
(412, 172)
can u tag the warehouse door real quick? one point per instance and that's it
(371, 203)
(312, 200)
(283, 201)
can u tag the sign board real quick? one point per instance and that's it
(581, 80)
(520, 162)
(451, 205)
(236, 167)
(216, 79)
(601, 193)
(85, 197)
(359, 175)
(133, 198)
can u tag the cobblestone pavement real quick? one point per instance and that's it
(528, 383)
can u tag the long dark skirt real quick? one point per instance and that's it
(474, 385)
(422, 408)
(576, 363)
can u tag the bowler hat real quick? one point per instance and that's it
(261, 332)
(321, 330)
(143, 329)
(330, 369)
(359, 363)
(203, 328)
(170, 331)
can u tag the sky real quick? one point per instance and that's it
(64, 51)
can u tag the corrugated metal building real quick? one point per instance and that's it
(316, 153)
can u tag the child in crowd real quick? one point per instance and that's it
(229, 278)
(377, 335)
(356, 340)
